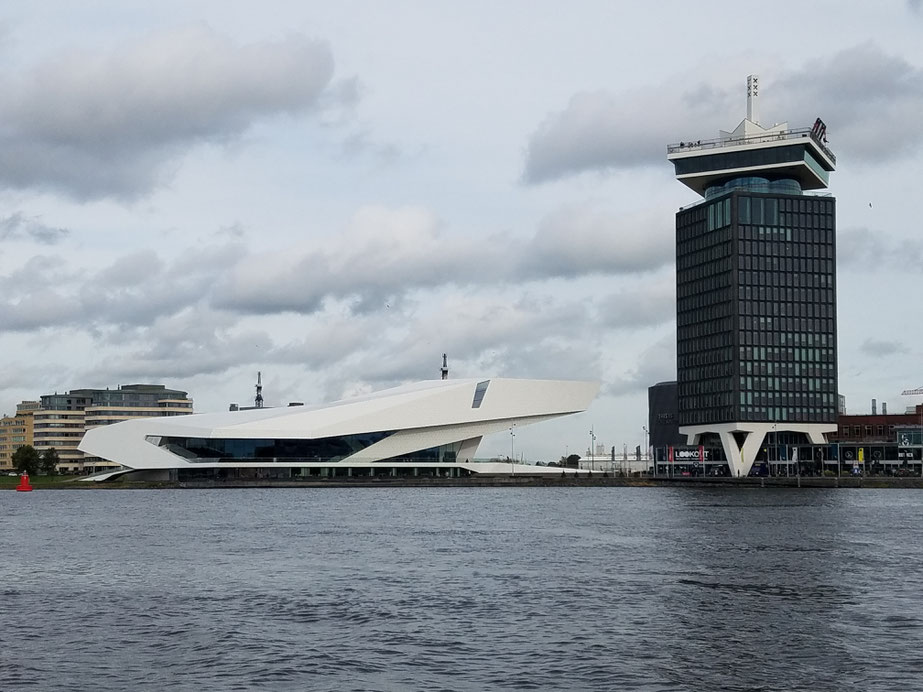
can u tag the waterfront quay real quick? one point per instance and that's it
(595, 480)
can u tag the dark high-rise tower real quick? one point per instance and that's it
(756, 286)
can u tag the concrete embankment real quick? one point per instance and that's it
(501, 481)
(597, 480)
(601, 481)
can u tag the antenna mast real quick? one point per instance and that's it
(445, 368)
(258, 401)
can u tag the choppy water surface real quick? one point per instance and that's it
(462, 589)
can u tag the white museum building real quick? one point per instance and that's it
(430, 428)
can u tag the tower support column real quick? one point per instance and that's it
(741, 442)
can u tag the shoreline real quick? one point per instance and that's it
(875, 482)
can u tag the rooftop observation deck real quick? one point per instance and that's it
(704, 145)
(778, 153)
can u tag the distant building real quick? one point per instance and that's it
(15, 432)
(881, 427)
(662, 419)
(63, 419)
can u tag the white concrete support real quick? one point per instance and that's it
(468, 449)
(741, 456)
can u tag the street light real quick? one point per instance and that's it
(917, 392)
(592, 450)
(647, 445)
(512, 438)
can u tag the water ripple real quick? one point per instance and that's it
(451, 589)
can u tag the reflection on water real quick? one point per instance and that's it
(461, 589)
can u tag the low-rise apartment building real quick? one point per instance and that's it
(64, 418)
(15, 432)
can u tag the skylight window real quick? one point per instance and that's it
(479, 393)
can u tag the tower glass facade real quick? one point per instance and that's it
(756, 287)
(756, 305)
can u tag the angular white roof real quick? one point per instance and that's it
(421, 416)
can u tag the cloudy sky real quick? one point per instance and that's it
(335, 194)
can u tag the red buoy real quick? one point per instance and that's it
(24, 486)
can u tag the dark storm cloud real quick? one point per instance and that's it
(870, 100)
(96, 125)
(18, 226)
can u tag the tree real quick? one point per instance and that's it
(26, 460)
(48, 461)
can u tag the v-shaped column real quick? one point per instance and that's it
(741, 457)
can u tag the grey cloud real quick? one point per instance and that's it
(345, 92)
(880, 348)
(548, 358)
(18, 375)
(132, 291)
(386, 253)
(651, 305)
(35, 272)
(37, 309)
(325, 342)
(95, 125)
(864, 94)
(535, 336)
(382, 254)
(603, 131)
(235, 232)
(864, 247)
(385, 263)
(186, 344)
(656, 364)
(18, 226)
(580, 241)
(869, 99)
(360, 143)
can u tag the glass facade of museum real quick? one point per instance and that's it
(322, 450)
(756, 307)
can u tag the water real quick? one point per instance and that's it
(461, 589)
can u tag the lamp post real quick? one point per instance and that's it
(647, 447)
(917, 392)
(592, 450)
(512, 438)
